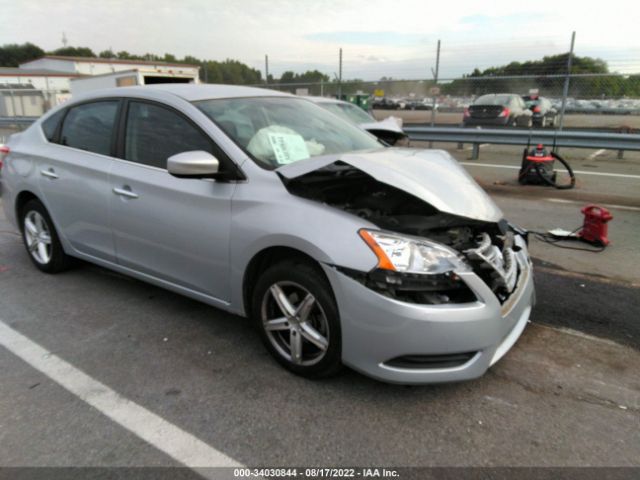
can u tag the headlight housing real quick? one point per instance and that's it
(406, 254)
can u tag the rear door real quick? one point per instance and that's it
(74, 176)
(173, 229)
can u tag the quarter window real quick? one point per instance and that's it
(90, 126)
(154, 133)
(50, 125)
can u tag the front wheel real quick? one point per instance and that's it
(41, 239)
(297, 316)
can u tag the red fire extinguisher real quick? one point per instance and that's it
(595, 228)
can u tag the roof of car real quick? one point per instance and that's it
(188, 91)
(500, 95)
(323, 99)
(193, 92)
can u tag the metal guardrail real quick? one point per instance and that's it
(20, 121)
(477, 136)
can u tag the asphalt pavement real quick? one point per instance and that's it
(568, 394)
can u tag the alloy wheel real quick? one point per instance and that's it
(38, 237)
(295, 323)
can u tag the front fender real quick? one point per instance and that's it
(269, 216)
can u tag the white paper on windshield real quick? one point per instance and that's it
(287, 147)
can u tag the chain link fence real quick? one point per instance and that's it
(600, 101)
(614, 96)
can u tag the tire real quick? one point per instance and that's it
(314, 326)
(41, 239)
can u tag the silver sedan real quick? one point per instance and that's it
(391, 261)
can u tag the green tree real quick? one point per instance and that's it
(12, 55)
(74, 52)
(107, 54)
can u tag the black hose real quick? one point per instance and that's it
(548, 179)
(572, 177)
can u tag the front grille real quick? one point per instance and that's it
(495, 263)
(430, 361)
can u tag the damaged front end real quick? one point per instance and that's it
(425, 246)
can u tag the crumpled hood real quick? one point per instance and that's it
(389, 124)
(430, 175)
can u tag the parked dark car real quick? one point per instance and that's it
(544, 113)
(385, 104)
(422, 104)
(498, 109)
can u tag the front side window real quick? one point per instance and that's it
(90, 126)
(155, 133)
(281, 130)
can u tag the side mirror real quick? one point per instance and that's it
(195, 164)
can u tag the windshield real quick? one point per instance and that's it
(348, 112)
(492, 100)
(281, 130)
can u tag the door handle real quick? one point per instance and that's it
(125, 192)
(49, 173)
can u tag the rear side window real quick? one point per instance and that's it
(154, 133)
(50, 125)
(90, 126)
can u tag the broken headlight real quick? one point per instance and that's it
(413, 255)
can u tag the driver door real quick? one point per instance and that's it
(173, 229)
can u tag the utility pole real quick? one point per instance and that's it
(435, 78)
(565, 90)
(266, 69)
(340, 77)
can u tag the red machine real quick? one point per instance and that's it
(595, 228)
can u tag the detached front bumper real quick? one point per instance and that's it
(377, 329)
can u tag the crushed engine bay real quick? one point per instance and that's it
(488, 246)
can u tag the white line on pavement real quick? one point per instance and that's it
(609, 205)
(596, 153)
(163, 435)
(581, 172)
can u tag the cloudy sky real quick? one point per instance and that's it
(394, 38)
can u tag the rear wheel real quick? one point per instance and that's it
(297, 316)
(41, 239)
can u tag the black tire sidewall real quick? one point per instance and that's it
(312, 278)
(59, 260)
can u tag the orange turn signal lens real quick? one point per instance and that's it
(383, 261)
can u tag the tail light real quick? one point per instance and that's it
(537, 109)
(4, 151)
(504, 112)
(466, 112)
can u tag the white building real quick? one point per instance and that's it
(41, 79)
(151, 71)
(41, 84)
